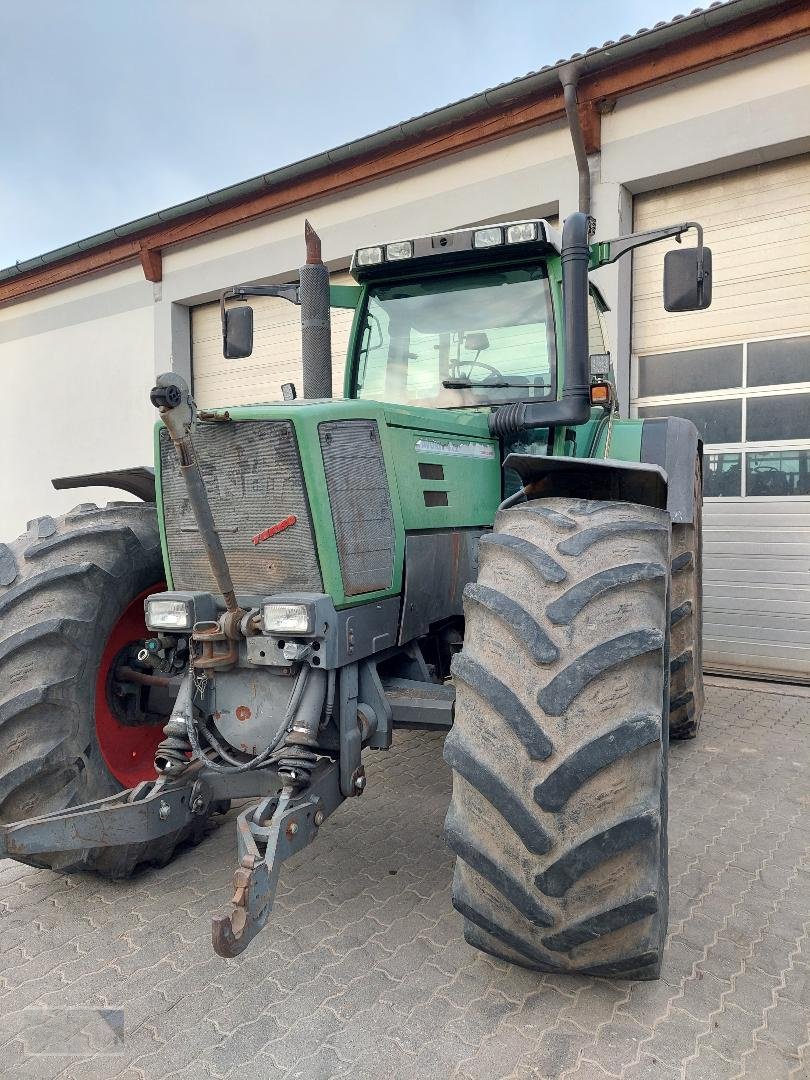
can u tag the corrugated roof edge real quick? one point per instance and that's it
(594, 59)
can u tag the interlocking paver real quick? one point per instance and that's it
(364, 972)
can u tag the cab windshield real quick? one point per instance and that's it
(479, 338)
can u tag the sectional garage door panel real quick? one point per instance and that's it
(757, 224)
(276, 355)
(757, 587)
(741, 372)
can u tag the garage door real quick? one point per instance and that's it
(276, 355)
(741, 372)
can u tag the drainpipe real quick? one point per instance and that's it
(569, 76)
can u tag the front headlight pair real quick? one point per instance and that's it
(172, 614)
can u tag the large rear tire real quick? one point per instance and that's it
(686, 649)
(70, 588)
(559, 748)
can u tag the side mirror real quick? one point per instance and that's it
(688, 279)
(237, 332)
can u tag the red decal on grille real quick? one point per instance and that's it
(265, 534)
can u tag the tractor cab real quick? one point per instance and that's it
(463, 319)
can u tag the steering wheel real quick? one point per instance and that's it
(769, 481)
(475, 363)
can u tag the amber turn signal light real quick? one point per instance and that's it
(600, 394)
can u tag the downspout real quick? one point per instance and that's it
(569, 77)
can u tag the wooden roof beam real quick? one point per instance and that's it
(151, 261)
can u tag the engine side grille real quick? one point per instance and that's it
(361, 503)
(253, 476)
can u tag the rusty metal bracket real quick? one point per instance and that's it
(267, 835)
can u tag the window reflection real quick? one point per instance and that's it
(778, 472)
(722, 475)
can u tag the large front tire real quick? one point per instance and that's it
(559, 748)
(70, 588)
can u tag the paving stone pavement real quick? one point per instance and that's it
(364, 972)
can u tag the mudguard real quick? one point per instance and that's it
(546, 477)
(138, 481)
(673, 443)
(664, 478)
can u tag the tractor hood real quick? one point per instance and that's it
(319, 495)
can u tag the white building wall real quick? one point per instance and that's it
(76, 369)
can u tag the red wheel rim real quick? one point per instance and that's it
(129, 752)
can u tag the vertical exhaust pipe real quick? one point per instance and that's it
(316, 342)
(569, 76)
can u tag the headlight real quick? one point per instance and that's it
(288, 618)
(370, 256)
(484, 238)
(403, 249)
(600, 364)
(168, 614)
(519, 234)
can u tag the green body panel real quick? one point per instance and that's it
(471, 483)
(167, 569)
(345, 296)
(624, 441)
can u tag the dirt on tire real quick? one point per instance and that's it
(559, 747)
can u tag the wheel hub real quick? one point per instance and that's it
(128, 722)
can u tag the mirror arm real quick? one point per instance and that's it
(611, 250)
(242, 292)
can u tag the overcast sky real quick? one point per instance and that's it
(111, 109)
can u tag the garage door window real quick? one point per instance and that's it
(750, 401)
(720, 368)
(778, 472)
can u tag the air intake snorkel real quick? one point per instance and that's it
(574, 407)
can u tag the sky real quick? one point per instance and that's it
(112, 109)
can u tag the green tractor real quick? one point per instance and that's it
(470, 539)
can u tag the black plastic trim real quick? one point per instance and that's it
(138, 481)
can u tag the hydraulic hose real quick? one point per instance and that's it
(233, 764)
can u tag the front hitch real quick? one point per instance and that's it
(119, 827)
(281, 825)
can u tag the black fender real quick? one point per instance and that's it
(138, 481)
(674, 444)
(546, 477)
(664, 478)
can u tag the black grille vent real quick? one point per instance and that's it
(361, 503)
(253, 477)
